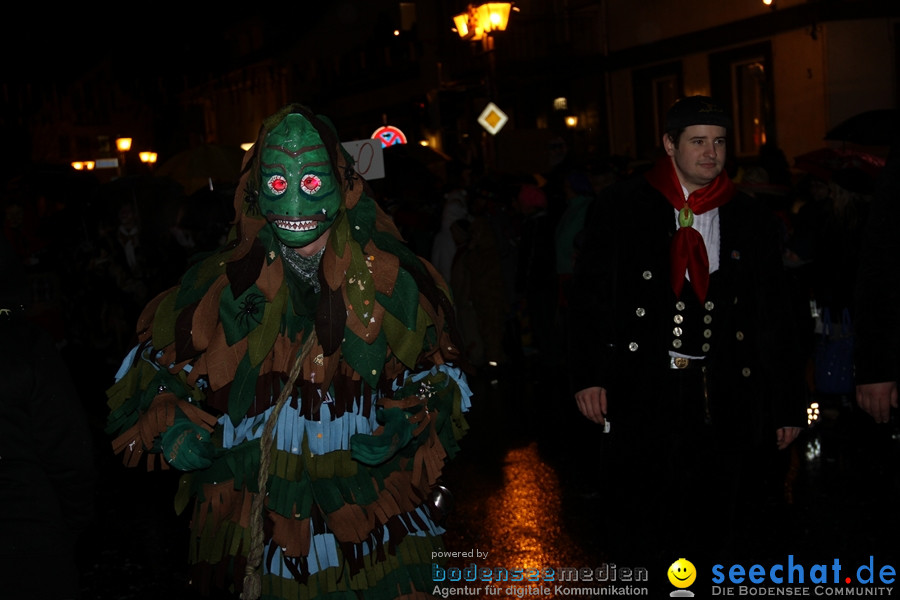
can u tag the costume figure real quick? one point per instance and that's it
(680, 335)
(309, 359)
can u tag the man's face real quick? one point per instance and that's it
(299, 193)
(699, 156)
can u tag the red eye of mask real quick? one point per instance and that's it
(310, 184)
(277, 184)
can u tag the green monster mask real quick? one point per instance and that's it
(299, 193)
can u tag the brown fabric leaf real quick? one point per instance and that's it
(129, 445)
(248, 229)
(270, 279)
(167, 357)
(331, 316)
(393, 368)
(334, 267)
(293, 535)
(283, 353)
(197, 415)
(384, 268)
(428, 462)
(199, 368)
(368, 331)
(331, 366)
(353, 185)
(222, 504)
(350, 523)
(145, 320)
(222, 360)
(314, 365)
(244, 272)
(206, 315)
(184, 347)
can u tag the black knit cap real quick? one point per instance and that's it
(697, 110)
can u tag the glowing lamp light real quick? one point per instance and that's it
(463, 22)
(493, 16)
(83, 165)
(148, 157)
(247, 145)
(571, 121)
(123, 144)
(482, 20)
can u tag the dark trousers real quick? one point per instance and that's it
(676, 486)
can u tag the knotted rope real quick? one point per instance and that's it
(252, 580)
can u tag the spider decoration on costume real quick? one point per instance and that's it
(350, 175)
(250, 309)
(252, 199)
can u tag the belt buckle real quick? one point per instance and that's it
(679, 362)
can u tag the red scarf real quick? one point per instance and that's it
(688, 249)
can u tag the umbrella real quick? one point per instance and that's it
(825, 162)
(878, 127)
(205, 166)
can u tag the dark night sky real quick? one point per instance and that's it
(38, 48)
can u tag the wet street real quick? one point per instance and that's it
(525, 489)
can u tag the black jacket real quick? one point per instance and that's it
(624, 314)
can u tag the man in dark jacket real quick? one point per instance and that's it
(877, 350)
(680, 342)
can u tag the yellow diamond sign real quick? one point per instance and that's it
(492, 118)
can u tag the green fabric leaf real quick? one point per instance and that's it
(360, 285)
(198, 278)
(362, 220)
(403, 303)
(340, 233)
(366, 359)
(406, 343)
(186, 445)
(184, 493)
(164, 322)
(162, 379)
(243, 390)
(390, 244)
(375, 449)
(327, 495)
(260, 339)
(270, 243)
(241, 315)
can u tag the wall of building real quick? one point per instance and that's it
(821, 75)
(860, 66)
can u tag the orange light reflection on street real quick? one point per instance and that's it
(522, 524)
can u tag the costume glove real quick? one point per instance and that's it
(376, 449)
(186, 446)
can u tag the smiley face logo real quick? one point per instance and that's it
(682, 573)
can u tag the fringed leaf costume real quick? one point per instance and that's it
(326, 358)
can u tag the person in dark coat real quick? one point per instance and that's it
(877, 329)
(47, 472)
(679, 335)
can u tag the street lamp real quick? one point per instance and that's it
(148, 158)
(123, 145)
(478, 22)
